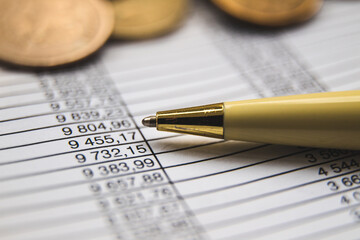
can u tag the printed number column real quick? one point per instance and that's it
(126, 179)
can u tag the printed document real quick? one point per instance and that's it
(76, 162)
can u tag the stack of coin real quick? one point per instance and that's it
(44, 33)
(47, 33)
(139, 19)
(271, 12)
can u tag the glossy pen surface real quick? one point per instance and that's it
(329, 120)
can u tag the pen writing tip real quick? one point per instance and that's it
(149, 121)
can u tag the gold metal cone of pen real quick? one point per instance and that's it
(45, 33)
(202, 120)
(139, 19)
(271, 12)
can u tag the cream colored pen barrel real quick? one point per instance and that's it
(330, 120)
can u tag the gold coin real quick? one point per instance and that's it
(271, 12)
(46, 33)
(138, 19)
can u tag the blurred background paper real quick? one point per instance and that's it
(75, 162)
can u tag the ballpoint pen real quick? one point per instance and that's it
(325, 120)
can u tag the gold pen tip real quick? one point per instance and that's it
(149, 121)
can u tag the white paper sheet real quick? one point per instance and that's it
(76, 163)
